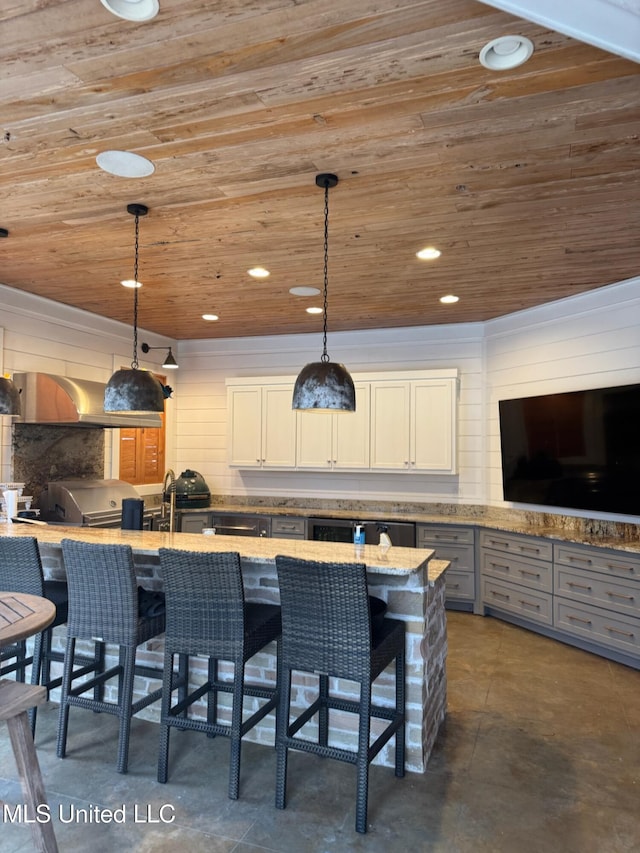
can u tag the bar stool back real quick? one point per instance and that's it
(207, 615)
(103, 607)
(326, 629)
(21, 571)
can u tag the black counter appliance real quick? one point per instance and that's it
(401, 533)
(191, 491)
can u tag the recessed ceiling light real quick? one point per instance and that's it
(313, 310)
(429, 253)
(506, 52)
(125, 164)
(258, 272)
(449, 299)
(133, 10)
(210, 317)
(304, 291)
(131, 282)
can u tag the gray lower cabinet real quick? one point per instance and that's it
(456, 544)
(288, 527)
(586, 596)
(517, 575)
(597, 596)
(194, 522)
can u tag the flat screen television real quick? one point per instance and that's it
(576, 450)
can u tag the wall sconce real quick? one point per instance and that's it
(169, 363)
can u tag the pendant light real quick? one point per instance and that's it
(134, 390)
(169, 363)
(9, 397)
(324, 385)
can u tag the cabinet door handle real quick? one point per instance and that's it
(573, 585)
(628, 634)
(501, 595)
(577, 619)
(615, 566)
(613, 594)
(532, 604)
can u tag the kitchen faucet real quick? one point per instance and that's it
(171, 478)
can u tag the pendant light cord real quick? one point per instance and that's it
(325, 356)
(134, 363)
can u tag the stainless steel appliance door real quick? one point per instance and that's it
(401, 533)
(331, 530)
(241, 525)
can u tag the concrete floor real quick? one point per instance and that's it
(540, 753)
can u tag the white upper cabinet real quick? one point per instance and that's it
(336, 440)
(414, 423)
(403, 422)
(262, 426)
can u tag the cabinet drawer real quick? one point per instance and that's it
(601, 591)
(533, 574)
(520, 601)
(460, 585)
(461, 557)
(431, 535)
(601, 627)
(283, 525)
(613, 563)
(526, 546)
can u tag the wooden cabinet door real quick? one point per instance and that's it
(433, 439)
(278, 427)
(142, 455)
(314, 439)
(390, 413)
(351, 433)
(245, 426)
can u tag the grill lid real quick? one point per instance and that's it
(73, 501)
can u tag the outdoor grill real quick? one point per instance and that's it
(88, 503)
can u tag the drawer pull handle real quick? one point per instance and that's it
(573, 559)
(498, 544)
(453, 586)
(501, 595)
(529, 574)
(577, 619)
(620, 595)
(533, 548)
(448, 537)
(499, 566)
(629, 569)
(532, 604)
(628, 634)
(573, 585)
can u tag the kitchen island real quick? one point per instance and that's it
(408, 579)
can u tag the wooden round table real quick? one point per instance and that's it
(21, 616)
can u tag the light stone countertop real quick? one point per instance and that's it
(399, 561)
(581, 531)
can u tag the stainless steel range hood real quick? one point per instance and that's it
(62, 401)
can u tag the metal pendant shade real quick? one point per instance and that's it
(325, 385)
(9, 397)
(134, 390)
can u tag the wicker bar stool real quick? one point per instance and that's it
(327, 630)
(103, 607)
(207, 615)
(21, 571)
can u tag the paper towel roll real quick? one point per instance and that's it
(11, 503)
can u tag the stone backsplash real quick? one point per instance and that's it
(42, 453)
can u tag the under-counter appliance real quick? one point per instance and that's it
(401, 533)
(242, 525)
(191, 491)
(89, 503)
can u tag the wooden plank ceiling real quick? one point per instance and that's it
(526, 180)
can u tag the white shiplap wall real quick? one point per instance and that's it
(587, 341)
(202, 431)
